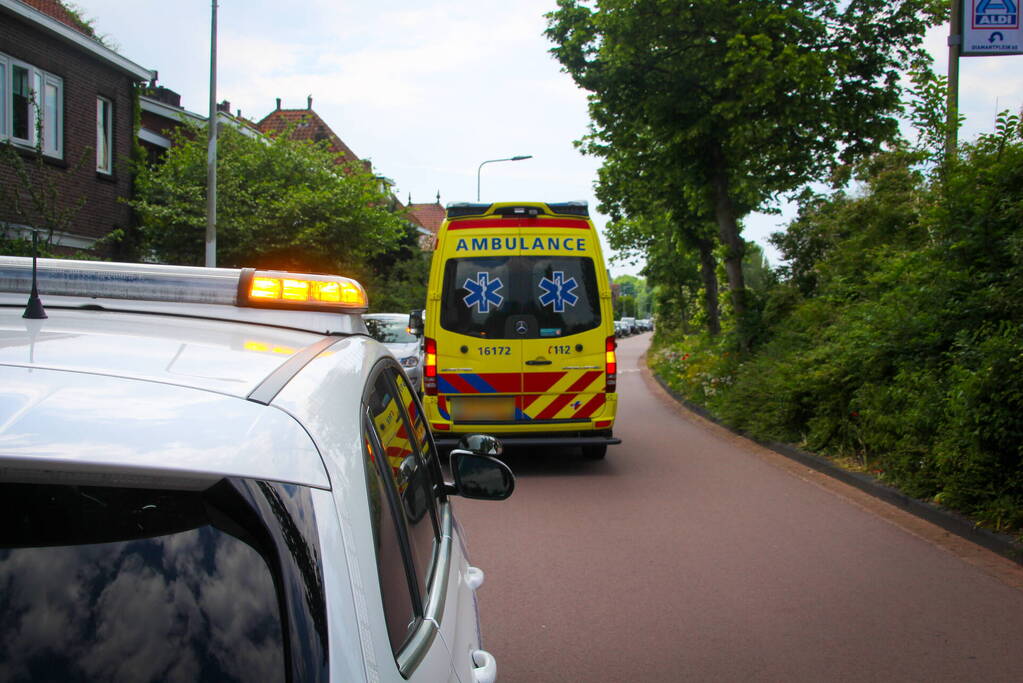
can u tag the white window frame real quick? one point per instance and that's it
(52, 144)
(104, 129)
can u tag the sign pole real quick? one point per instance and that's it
(955, 41)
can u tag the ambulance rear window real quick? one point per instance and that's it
(520, 297)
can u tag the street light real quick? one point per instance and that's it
(490, 161)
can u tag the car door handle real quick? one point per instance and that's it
(474, 578)
(484, 667)
(539, 361)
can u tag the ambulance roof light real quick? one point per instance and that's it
(459, 209)
(575, 208)
(518, 210)
(184, 284)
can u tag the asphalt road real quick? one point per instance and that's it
(690, 554)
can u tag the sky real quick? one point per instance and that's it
(429, 89)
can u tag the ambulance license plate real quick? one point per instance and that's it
(483, 409)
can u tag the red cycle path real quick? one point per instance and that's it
(691, 554)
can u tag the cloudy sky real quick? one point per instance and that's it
(428, 89)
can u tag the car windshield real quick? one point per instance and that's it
(520, 297)
(389, 330)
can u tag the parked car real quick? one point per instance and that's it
(218, 475)
(631, 324)
(391, 330)
(620, 329)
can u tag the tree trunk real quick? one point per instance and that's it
(728, 233)
(708, 272)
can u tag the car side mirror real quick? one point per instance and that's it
(480, 477)
(415, 322)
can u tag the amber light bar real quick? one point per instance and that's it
(279, 289)
(184, 284)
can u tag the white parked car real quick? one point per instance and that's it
(392, 330)
(217, 475)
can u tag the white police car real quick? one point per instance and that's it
(215, 474)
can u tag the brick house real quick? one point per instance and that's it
(55, 72)
(429, 216)
(306, 124)
(162, 114)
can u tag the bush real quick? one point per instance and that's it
(895, 337)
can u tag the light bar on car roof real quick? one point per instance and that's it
(245, 287)
(279, 289)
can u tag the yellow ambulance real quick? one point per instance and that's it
(518, 335)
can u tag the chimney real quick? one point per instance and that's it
(225, 107)
(166, 95)
(309, 103)
(278, 104)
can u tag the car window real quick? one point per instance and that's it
(389, 331)
(421, 433)
(395, 588)
(408, 484)
(486, 296)
(116, 583)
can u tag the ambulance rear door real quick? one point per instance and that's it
(479, 348)
(564, 354)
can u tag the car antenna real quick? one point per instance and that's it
(34, 310)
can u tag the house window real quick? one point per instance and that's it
(21, 103)
(104, 153)
(31, 107)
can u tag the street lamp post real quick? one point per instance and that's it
(490, 161)
(211, 151)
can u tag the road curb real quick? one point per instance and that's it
(950, 521)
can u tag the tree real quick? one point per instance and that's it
(648, 215)
(732, 102)
(281, 203)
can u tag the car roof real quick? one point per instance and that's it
(116, 389)
(223, 356)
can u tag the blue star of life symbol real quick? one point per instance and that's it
(558, 292)
(483, 293)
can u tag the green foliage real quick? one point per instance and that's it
(281, 203)
(698, 368)
(398, 278)
(703, 111)
(635, 299)
(625, 306)
(19, 246)
(895, 336)
(87, 25)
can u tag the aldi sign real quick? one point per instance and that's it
(991, 27)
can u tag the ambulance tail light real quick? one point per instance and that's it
(430, 367)
(610, 364)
